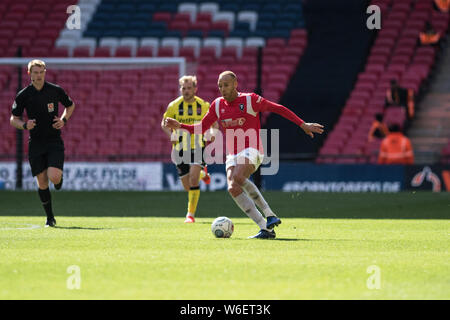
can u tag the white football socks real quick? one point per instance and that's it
(248, 206)
(253, 192)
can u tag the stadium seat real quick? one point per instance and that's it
(188, 53)
(170, 42)
(145, 52)
(165, 52)
(109, 42)
(162, 17)
(102, 52)
(209, 7)
(81, 51)
(251, 17)
(194, 43)
(236, 44)
(136, 28)
(130, 42)
(123, 52)
(224, 16)
(215, 43)
(189, 8)
(150, 43)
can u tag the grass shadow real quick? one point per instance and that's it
(82, 228)
(240, 223)
(294, 239)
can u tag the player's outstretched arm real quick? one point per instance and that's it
(171, 123)
(198, 128)
(311, 128)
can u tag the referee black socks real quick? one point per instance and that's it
(46, 200)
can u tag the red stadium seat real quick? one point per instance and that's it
(204, 16)
(144, 52)
(222, 26)
(203, 26)
(188, 53)
(102, 52)
(162, 16)
(123, 52)
(82, 51)
(166, 52)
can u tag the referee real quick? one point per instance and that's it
(45, 147)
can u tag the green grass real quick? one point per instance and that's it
(135, 246)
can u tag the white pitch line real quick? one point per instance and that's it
(30, 226)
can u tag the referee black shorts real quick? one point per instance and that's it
(184, 165)
(45, 154)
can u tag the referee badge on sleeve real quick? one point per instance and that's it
(14, 105)
(50, 107)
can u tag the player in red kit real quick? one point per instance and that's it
(238, 114)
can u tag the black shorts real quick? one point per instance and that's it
(183, 167)
(44, 154)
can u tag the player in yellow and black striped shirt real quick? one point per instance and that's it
(189, 109)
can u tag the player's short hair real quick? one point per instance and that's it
(228, 73)
(395, 127)
(184, 79)
(379, 117)
(35, 62)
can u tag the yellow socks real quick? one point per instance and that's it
(193, 197)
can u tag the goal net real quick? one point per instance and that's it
(119, 105)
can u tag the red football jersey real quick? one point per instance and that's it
(240, 120)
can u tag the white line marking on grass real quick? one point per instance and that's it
(30, 226)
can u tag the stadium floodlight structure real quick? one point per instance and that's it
(127, 95)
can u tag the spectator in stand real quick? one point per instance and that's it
(429, 36)
(442, 5)
(379, 129)
(399, 96)
(396, 148)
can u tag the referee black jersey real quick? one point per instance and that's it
(41, 105)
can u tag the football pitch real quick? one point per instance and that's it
(134, 245)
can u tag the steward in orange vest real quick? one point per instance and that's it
(396, 148)
(442, 5)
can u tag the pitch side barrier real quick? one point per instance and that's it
(307, 177)
(291, 177)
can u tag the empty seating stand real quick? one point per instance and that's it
(212, 36)
(396, 54)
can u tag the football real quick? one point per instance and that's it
(222, 227)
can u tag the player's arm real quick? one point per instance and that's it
(69, 107)
(388, 98)
(17, 111)
(371, 132)
(198, 128)
(166, 129)
(18, 123)
(58, 123)
(267, 105)
(170, 134)
(210, 135)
